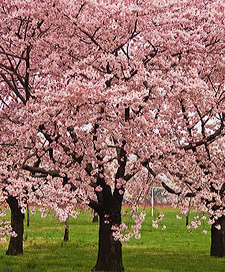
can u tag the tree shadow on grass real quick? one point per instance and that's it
(51, 257)
(166, 260)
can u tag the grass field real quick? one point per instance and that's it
(173, 249)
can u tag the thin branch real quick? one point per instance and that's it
(39, 170)
(208, 139)
(15, 90)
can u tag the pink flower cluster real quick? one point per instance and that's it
(157, 220)
(6, 230)
(117, 231)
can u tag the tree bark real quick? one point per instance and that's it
(28, 216)
(187, 219)
(17, 218)
(109, 250)
(66, 233)
(218, 238)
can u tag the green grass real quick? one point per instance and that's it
(173, 249)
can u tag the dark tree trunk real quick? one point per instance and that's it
(66, 233)
(28, 216)
(218, 238)
(109, 211)
(16, 243)
(109, 250)
(95, 217)
(187, 219)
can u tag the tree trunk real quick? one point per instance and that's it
(218, 238)
(28, 216)
(109, 251)
(66, 233)
(187, 219)
(16, 243)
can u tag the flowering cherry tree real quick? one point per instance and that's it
(23, 27)
(104, 97)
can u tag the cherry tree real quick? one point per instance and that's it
(23, 26)
(118, 94)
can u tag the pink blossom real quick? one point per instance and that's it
(163, 227)
(3, 239)
(98, 188)
(218, 227)
(211, 221)
(137, 236)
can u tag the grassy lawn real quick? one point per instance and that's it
(173, 249)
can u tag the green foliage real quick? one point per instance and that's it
(173, 249)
